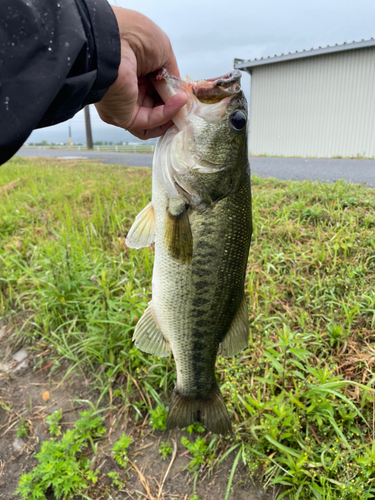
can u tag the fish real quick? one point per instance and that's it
(200, 220)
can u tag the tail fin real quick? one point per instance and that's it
(210, 412)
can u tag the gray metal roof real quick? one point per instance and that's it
(249, 65)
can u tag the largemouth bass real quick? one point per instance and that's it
(200, 221)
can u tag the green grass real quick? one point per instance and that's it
(301, 396)
(165, 449)
(62, 466)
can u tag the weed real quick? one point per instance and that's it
(23, 428)
(336, 334)
(158, 418)
(199, 450)
(165, 449)
(120, 450)
(301, 395)
(116, 479)
(53, 423)
(195, 428)
(202, 455)
(5, 406)
(306, 433)
(62, 464)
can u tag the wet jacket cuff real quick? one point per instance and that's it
(106, 53)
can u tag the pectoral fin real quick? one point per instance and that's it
(148, 336)
(237, 337)
(142, 232)
(178, 238)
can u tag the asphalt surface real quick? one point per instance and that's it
(316, 169)
(296, 169)
(130, 159)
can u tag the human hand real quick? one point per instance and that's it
(132, 101)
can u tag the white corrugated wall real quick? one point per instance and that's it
(319, 106)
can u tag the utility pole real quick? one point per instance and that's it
(89, 142)
(70, 138)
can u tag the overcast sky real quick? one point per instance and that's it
(208, 35)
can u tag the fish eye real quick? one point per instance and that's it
(237, 120)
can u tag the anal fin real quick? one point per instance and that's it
(148, 336)
(237, 337)
(142, 232)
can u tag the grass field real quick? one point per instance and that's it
(301, 396)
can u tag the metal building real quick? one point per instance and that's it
(314, 103)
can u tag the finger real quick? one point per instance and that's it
(146, 102)
(152, 133)
(147, 94)
(150, 118)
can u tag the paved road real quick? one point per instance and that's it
(321, 169)
(325, 170)
(130, 159)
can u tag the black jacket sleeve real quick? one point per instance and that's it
(56, 56)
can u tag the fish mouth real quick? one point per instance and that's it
(216, 89)
(207, 91)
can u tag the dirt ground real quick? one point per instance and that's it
(31, 394)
